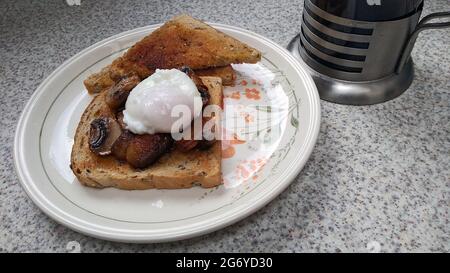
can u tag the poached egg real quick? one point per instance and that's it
(156, 103)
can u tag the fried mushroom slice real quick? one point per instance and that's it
(185, 145)
(117, 94)
(119, 117)
(103, 133)
(202, 89)
(144, 150)
(120, 146)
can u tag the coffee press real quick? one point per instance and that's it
(359, 51)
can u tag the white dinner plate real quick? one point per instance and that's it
(272, 114)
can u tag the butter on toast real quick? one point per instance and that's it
(182, 41)
(173, 170)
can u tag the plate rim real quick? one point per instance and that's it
(57, 214)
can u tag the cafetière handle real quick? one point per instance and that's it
(423, 25)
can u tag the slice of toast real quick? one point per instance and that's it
(100, 81)
(182, 41)
(173, 170)
(226, 73)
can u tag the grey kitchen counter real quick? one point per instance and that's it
(379, 175)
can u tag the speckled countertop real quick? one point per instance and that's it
(378, 175)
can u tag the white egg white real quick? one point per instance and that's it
(149, 106)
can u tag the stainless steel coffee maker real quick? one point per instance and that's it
(359, 51)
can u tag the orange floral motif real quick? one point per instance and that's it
(244, 173)
(261, 162)
(236, 95)
(244, 82)
(236, 140)
(252, 93)
(255, 82)
(248, 118)
(228, 152)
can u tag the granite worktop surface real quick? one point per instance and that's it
(378, 179)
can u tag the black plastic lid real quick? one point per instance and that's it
(370, 10)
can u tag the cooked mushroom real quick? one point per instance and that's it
(117, 95)
(144, 150)
(186, 145)
(120, 146)
(208, 139)
(204, 94)
(102, 135)
(188, 71)
(119, 117)
(205, 144)
(198, 82)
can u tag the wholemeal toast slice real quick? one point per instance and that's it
(226, 73)
(182, 41)
(100, 81)
(173, 170)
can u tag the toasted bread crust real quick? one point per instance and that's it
(187, 41)
(182, 41)
(226, 73)
(174, 170)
